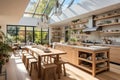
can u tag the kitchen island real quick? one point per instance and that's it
(93, 59)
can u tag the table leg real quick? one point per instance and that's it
(58, 66)
(93, 64)
(39, 66)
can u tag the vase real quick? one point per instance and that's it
(0, 68)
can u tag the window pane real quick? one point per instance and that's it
(11, 36)
(29, 36)
(37, 29)
(37, 37)
(21, 36)
(45, 36)
(50, 6)
(32, 6)
(29, 28)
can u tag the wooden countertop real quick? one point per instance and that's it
(90, 48)
(110, 45)
(94, 48)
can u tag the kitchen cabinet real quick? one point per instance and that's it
(115, 54)
(71, 55)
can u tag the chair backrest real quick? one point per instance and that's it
(47, 60)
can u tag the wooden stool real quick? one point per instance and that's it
(27, 60)
(31, 63)
(23, 56)
(61, 64)
(47, 67)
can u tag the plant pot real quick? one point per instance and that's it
(0, 68)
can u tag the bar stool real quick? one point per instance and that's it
(61, 64)
(32, 62)
(24, 54)
(27, 60)
(48, 67)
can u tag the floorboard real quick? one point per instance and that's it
(17, 71)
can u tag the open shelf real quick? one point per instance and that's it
(86, 68)
(115, 15)
(94, 61)
(110, 32)
(100, 61)
(83, 59)
(77, 28)
(110, 24)
(56, 34)
(102, 69)
(82, 22)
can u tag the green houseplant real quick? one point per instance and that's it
(4, 53)
(4, 50)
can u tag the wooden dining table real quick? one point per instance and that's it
(41, 53)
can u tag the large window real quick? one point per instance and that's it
(37, 7)
(27, 34)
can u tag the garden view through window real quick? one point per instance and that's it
(27, 34)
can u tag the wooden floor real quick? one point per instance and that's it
(17, 71)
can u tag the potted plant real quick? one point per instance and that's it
(2, 62)
(4, 49)
(73, 41)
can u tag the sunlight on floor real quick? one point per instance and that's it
(82, 76)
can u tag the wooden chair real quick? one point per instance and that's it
(48, 67)
(32, 62)
(61, 64)
(27, 60)
(24, 54)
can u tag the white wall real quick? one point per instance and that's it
(29, 21)
(3, 28)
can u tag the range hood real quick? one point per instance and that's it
(91, 29)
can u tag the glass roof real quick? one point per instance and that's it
(37, 7)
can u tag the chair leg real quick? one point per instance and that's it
(54, 74)
(36, 66)
(64, 69)
(44, 75)
(30, 69)
(27, 63)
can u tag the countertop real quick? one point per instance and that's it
(93, 48)
(109, 45)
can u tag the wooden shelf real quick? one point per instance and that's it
(91, 65)
(77, 28)
(100, 61)
(101, 69)
(85, 68)
(109, 24)
(107, 17)
(83, 59)
(56, 31)
(110, 32)
(79, 22)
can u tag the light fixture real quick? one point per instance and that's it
(57, 8)
(44, 18)
(43, 21)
